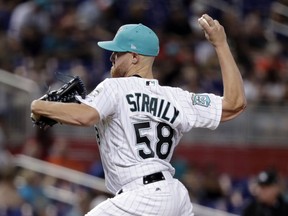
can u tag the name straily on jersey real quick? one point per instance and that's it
(140, 102)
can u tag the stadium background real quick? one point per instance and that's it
(41, 41)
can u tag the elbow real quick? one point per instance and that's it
(83, 121)
(85, 116)
(88, 123)
(88, 119)
(237, 105)
(240, 105)
(240, 108)
(232, 110)
(76, 121)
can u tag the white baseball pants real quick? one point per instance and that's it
(168, 197)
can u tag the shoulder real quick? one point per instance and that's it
(176, 89)
(116, 81)
(128, 82)
(115, 85)
(177, 93)
(108, 83)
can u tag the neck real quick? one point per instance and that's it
(142, 68)
(143, 73)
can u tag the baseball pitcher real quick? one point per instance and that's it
(138, 123)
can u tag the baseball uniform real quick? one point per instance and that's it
(141, 124)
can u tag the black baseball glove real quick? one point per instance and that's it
(65, 94)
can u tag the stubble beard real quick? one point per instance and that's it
(116, 72)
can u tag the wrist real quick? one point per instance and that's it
(35, 105)
(220, 47)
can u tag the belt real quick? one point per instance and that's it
(155, 177)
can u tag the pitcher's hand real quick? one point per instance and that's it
(214, 31)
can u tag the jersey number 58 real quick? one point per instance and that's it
(162, 147)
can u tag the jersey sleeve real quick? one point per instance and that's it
(201, 110)
(102, 98)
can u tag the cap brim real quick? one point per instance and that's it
(110, 45)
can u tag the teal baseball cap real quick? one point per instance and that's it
(136, 38)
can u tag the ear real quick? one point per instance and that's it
(135, 58)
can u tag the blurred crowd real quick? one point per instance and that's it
(24, 192)
(260, 194)
(48, 40)
(45, 40)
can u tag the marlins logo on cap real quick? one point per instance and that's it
(136, 38)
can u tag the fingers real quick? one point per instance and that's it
(205, 21)
(217, 24)
(213, 30)
(208, 19)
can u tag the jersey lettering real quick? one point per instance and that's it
(140, 102)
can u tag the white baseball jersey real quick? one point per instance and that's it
(140, 124)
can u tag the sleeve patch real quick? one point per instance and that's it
(201, 100)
